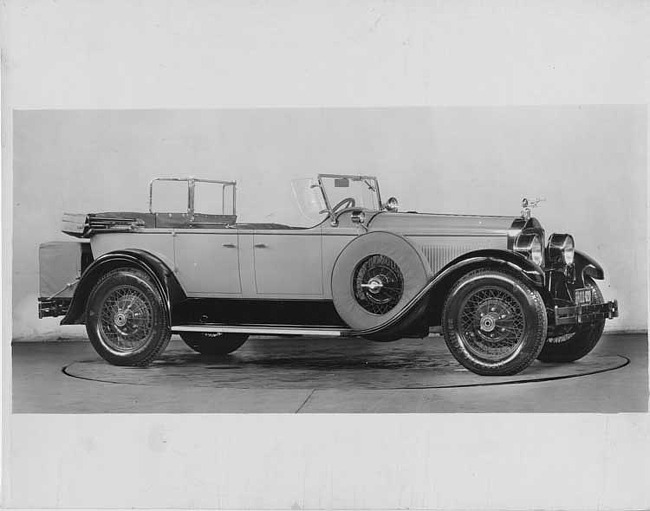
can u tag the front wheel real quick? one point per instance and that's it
(493, 323)
(575, 345)
(213, 344)
(126, 318)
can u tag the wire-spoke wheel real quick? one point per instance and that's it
(127, 320)
(494, 324)
(213, 344)
(378, 284)
(578, 343)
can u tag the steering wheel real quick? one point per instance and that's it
(348, 202)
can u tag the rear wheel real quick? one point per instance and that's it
(577, 344)
(213, 343)
(126, 318)
(494, 324)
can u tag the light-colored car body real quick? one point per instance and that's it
(249, 262)
(492, 284)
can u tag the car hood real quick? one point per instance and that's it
(440, 225)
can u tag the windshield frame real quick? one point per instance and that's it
(351, 177)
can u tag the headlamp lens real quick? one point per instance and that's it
(561, 249)
(536, 251)
(568, 250)
(531, 246)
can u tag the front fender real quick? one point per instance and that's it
(528, 270)
(586, 265)
(442, 281)
(159, 272)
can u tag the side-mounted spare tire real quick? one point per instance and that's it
(373, 278)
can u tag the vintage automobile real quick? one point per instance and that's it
(502, 293)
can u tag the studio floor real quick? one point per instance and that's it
(299, 375)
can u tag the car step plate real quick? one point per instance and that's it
(262, 330)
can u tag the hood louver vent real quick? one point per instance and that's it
(440, 256)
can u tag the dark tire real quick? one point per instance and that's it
(213, 344)
(577, 344)
(386, 261)
(494, 323)
(126, 318)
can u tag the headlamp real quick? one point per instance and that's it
(530, 245)
(561, 249)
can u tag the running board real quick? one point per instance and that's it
(213, 328)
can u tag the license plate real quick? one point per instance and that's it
(583, 296)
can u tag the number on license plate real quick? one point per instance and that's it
(583, 296)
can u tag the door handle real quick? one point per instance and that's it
(230, 245)
(260, 245)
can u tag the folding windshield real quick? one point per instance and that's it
(330, 193)
(192, 195)
(343, 191)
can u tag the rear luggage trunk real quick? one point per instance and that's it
(61, 264)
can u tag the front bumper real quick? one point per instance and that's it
(580, 314)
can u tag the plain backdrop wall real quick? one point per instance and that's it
(587, 161)
(128, 54)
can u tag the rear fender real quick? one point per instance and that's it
(160, 274)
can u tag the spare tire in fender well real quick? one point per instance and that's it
(160, 273)
(384, 260)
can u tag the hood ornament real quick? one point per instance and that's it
(528, 204)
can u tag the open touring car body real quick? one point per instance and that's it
(364, 269)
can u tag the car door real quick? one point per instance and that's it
(207, 262)
(288, 263)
